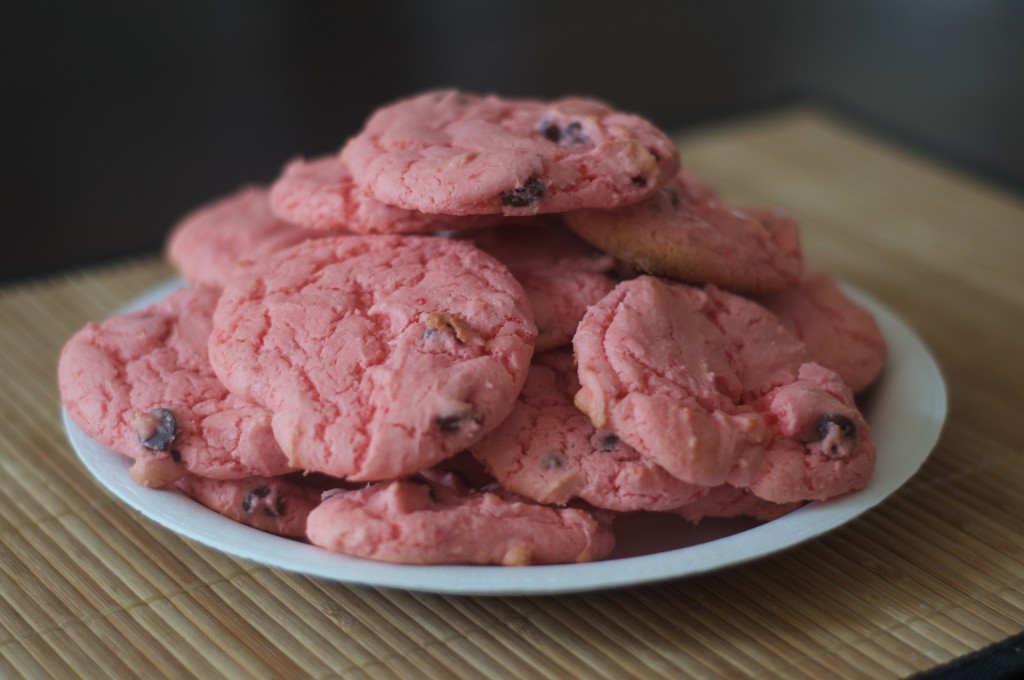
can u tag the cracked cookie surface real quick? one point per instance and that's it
(549, 451)
(838, 332)
(321, 195)
(712, 387)
(685, 232)
(141, 384)
(435, 518)
(460, 154)
(208, 243)
(377, 355)
(561, 274)
(277, 505)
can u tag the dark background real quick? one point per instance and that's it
(119, 118)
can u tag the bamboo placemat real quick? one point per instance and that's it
(89, 588)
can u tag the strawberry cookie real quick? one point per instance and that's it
(549, 451)
(685, 232)
(277, 505)
(839, 333)
(726, 500)
(460, 154)
(321, 195)
(141, 384)
(377, 355)
(207, 245)
(435, 518)
(713, 388)
(561, 274)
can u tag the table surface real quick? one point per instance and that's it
(88, 587)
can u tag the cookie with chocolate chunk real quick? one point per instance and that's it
(685, 232)
(142, 385)
(377, 355)
(712, 387)
(549, 451)
(277, 505)
(459, 154)
(435, 518)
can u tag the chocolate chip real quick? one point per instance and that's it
(165, 429)
(573, 134)
(639, 181)
(277, 509)
(570, 135)
(551, 131)
(847, 427)
(528, 194)
(452, 423)
(553, 461)
(270, 504)
(608, 442)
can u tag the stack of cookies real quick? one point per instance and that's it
(480, 333)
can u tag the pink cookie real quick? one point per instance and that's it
(377, 355)
(141, 384)
(728, 501)
(459, 154)
(436, 519)
(207, 245)
(561, 274)
(278, 505)
(712, 387)
(548, 451)
(320, 194)
(686, 233)
(839, 333)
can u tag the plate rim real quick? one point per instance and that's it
(912, 359)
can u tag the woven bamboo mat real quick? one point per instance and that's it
(89, 588)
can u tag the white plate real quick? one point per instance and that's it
(905, 409)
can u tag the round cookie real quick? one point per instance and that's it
(548, 451)
(459, 154)
(712, 387)
(561, 274)
(684, 232)
(141, 384)
(207, 244)
(435, 519)
(839, 333)
(725, 500)
(377, 355)
(320, 194)
(278, 505)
